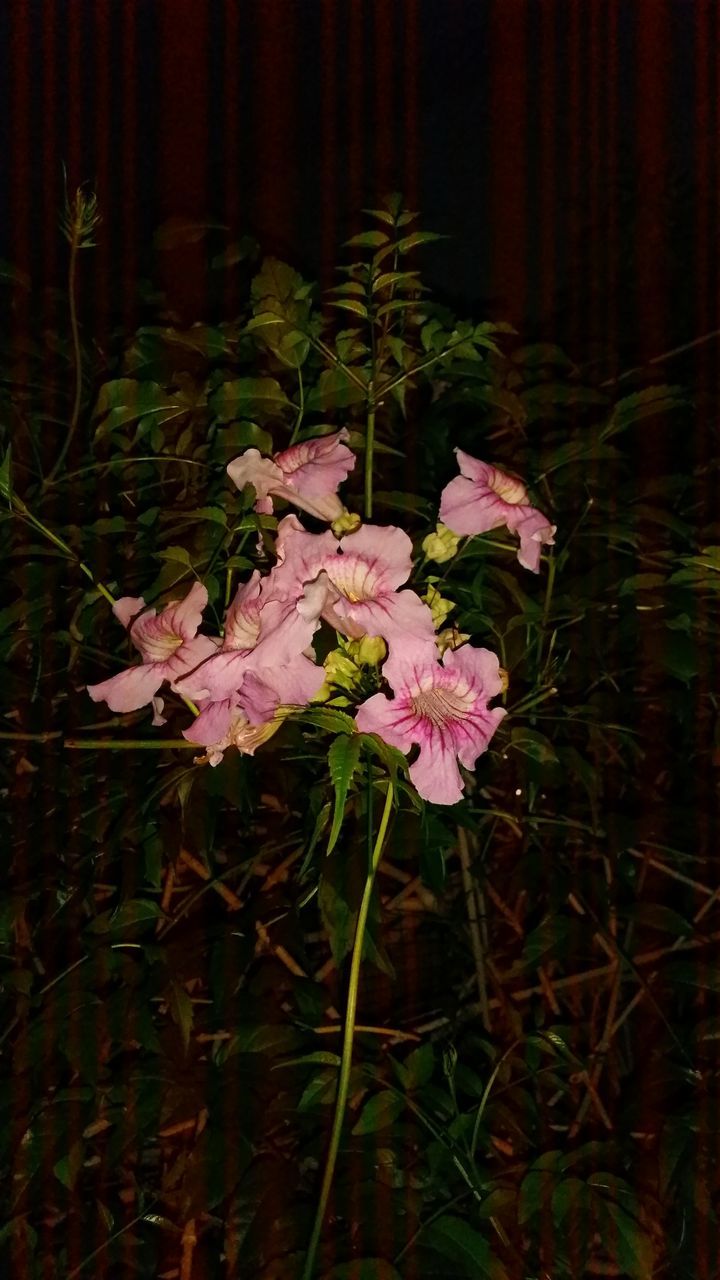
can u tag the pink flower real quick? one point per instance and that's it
(307, 475)
(169, 645)
(360, 574)
(250, 715)
(443, 707)
(263, 628)
(483, 498)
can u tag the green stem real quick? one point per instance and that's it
(348, 1036)
(369, 448)
(77, 360)
(134, 744)
(27, 515)
(301, 409)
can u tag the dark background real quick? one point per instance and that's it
(568, 148)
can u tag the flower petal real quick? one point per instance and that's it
(435, 774)
(127, 608)
(131, 689)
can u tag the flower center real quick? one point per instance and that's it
(508, 488)
(242, 629)
(441, 705)
(353, 577)
(160, 647)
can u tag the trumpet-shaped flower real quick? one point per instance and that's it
(482, 498)
(360, 575)
(251, 714)
(262, 629)
(169, 645)
(307, 475)
(443, 708)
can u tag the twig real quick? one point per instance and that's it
(471, 907)
(189, 1241)
(389, 1032)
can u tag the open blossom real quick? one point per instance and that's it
(263, 628)
(443, 708)
(253, 712)
(360, 575)
(169, 645)
(482, 498)
(307, 474)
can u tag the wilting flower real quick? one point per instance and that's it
(443, 708)
(307, 475)
(482, 498)
(360, 575)
(169, 644)
(255, 711)
(262, 629)
(441, 545)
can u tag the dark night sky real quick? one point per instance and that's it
(568, 147)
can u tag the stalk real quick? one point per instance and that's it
(348, 1036)
(369, 448)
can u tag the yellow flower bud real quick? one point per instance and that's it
(348, 522)
(439, 606)
(340, 670)
(450, 638)
(368, 650)
(505, 677)
(441, 545)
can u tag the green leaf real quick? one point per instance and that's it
(643, 404)
(462, 1246)
(351, 304)
(320, 1058)
(327, 718)
(363, 1269)
(418, 237)
(5, 475)
(243, 435)
(367, 240)
(125, 400)
(537, 1187)
(343, 760)
(177, 231)
(629, 1243)
(181, 1010)
(70, 1165)
(334, 390)
(533, 744)
(177, 555)
(242, 397)
(379, 1112)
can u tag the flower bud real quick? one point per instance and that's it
(450, 638)
(368, 650)
(441, 545)
(439, 606)
(340, 670)
(348, 522)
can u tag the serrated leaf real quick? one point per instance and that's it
(379, 1113)
(343, 760)
(177, 555)
(418, 237)
(327, 718)
(321, 1058)
(334, 390)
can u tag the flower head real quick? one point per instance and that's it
(443, 708)
(169, 645)
(254, 712)
(263, 629)
(482, 498)
(307, 475)
(360, 575)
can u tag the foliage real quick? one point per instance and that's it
(535, 1077)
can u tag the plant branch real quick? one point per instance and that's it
(349, 1032)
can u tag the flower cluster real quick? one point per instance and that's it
(243, 683)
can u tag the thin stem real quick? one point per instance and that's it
(127, 744)
(77, 358)
(127, 462)
(369, 448)
(301, 409)
(349, 1032)
(27, 515)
